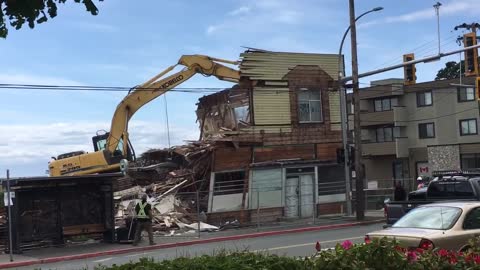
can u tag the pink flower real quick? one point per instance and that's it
(476, 259)
(443, 253)
(453, 259)
(412, 256)
(347, 244)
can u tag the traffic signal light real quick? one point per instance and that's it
(409, 71)
(477, 87)
(471, 56)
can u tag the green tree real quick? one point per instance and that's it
(18, 12)
(450, 71)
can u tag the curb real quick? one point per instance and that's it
(181, 244)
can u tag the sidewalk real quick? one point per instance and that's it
(56, 254)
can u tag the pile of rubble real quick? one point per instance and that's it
(174, 180)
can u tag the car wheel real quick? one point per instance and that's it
(465, 248)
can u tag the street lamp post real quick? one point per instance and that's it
(343, 115)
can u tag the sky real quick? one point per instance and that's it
(126, 44)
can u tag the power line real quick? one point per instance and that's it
(183, 89)
(101, 89)
(417, 51)
(423, 51)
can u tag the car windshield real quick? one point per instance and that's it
(431, 217)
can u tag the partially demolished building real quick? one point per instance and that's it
(267, 150)
(276, 136)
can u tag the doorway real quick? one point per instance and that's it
(299, 193)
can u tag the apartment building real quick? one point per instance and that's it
(413, 130)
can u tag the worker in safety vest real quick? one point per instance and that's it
(143, 211)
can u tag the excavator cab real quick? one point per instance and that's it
(100, 144)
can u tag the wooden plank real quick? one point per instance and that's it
(83, 229)
(304, 152)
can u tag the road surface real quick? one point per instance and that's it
(295, 244)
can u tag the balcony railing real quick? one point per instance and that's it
(379, 149)
(376, 118)
(398, 148)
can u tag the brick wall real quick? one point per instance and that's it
(312, 77)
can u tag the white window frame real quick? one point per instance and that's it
(310, 101)
(423, 96)
(472, 128)
(468, 90)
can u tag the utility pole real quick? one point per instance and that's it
(343, 115)
(359, 174)
(9, 198)
(437, 12)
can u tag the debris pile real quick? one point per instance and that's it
(175, 181)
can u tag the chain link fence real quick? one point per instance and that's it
(232, 205)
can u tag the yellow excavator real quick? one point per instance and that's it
(113, 147)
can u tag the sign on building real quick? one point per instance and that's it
(423, 169)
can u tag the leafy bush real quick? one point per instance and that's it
(221, 261)
(380, 254)
(387, 254)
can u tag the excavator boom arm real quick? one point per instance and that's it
(154, 88)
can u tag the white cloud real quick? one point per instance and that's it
(97, 27)
(37, 143)
(452, 8)
(261, 15)
(213, 28)
(288, 17)
(239, 11)
(413, 16)
(460, 6)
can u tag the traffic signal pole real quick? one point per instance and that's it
(423, 60)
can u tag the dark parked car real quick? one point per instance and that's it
(446, 186)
